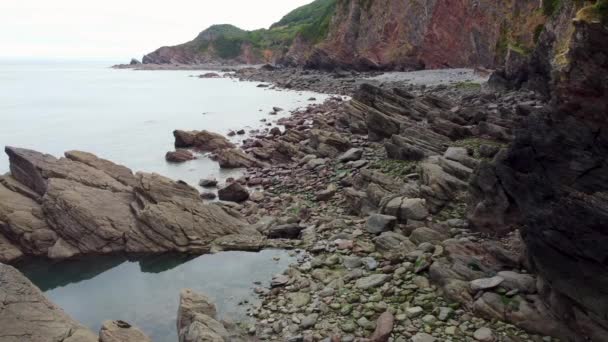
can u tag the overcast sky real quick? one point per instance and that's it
(121, 29)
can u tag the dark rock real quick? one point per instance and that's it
(285, 231)
(179, 156)
(234, 192)
(377, 223)
(202, 140)
(208, 182)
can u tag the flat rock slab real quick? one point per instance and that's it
(486, 283)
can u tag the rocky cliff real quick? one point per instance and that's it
(374, 34)
(553, 179)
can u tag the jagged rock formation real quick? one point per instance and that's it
(81, 204)
(555, 174)
(375, 34)
(27, 316)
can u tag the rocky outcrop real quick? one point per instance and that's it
(197, 319)
(27, 316)
(59, 208)
(364, 35)
(120, 331)
(554, 177)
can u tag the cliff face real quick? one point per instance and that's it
(555, 175)
(374, 34)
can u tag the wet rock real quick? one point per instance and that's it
(209, 75)
(24, 305)
(279, 280)
(202, 140)
(120, 331)
(179, 156)
(208, 195)
(208, 182)
(234, 192)
(377, 223)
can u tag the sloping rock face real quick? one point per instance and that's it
(28, 316)
(428, 34)
(556, 176)
(82, 204)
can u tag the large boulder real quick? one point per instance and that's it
(28, 316)
(234, 192)
(60, 208)
(197, 321)
(202, 140)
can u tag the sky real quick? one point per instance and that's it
(121, 29)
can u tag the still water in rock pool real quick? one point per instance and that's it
(128, 116)
(145, 292)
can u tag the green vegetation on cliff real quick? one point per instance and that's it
(311, 22)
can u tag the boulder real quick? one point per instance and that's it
(196, 319)
(424, 234)
(208, 182)
(328, 144)
(234, 192)
(179, 156)
(285, 231)
(190, 304)
(27, 315)
(203, 140)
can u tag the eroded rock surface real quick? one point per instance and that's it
(82, 204)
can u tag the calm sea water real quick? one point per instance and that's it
(127, 116)
(145, 292)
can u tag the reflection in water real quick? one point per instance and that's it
(145, 292)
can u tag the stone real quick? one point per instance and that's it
(524, 283)
(384, 327)
(352, 154)
(23, 307)
(352, 262)
(285, 231)
(414, 209)
(309, 321)
(483, 334)
(485, 283)
(208, 195)
(279, 280)
(203, 140)
(445, 313)
(208, 182)
(377, 223)
(299, 299)
(423, 337)
(120, 331)
(372, 281)
(413, 312)
(326, 194)
(190, 304)
(234, 192)
(179, 156)
(366, 324)
(424, 234)
(233, 158)
(393, 242)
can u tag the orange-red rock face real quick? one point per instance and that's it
(396, 34)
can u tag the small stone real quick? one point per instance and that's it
(414, 311)
(429, 319)
(309, 321)
(423, 337)
(451, 330)
(208, 182)
(279, 280)
(384, 327)
(351, 155)
(348, 327)
(445, 313)
(366, 324)
(484, 334)
(378, 223)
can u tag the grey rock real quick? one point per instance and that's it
(377, 223)
(485, 283)
(352, 154)
(372, 281)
